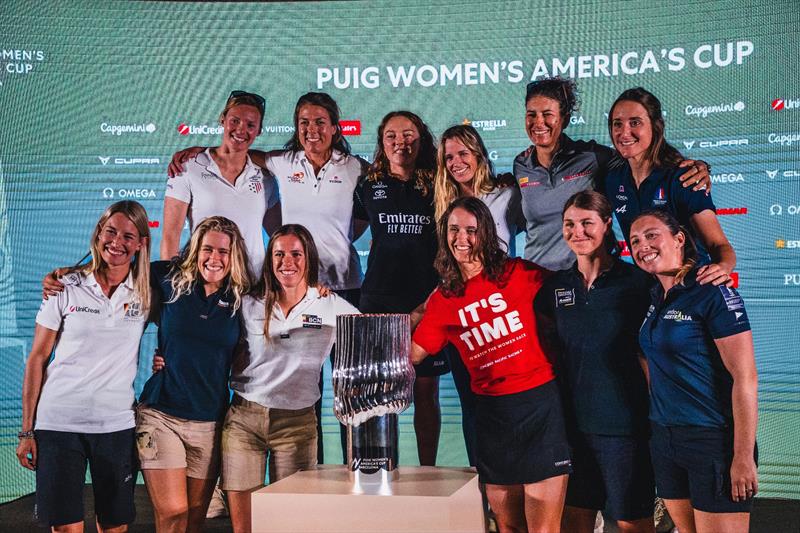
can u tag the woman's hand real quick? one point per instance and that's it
(179, 158)
(323, 290)
(698, 176)
(715, 274)
(744, 478)
(51, 285)
(26, 453)
(158, 362)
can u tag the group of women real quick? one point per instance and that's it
(230, 312)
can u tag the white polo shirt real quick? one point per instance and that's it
(88, 386)
(506, 207)
(323, 203)
(209, 194)
(284, 372)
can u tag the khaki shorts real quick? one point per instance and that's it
(252, 432)
(166, 441)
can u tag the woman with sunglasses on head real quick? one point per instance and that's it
(463, 169)
(182, 406)
(555, 167)
(589, 317)
(396, 198)
(648, 179)
(703, 383)
(224, 181)
(484, 307)
(78, 409)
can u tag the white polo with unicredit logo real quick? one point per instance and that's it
(323, 203)
(88, 386)
(245, 202)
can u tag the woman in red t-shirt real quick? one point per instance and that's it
(484, 306)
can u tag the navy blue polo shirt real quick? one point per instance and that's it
(660, 190)
(593, 335)
(400, 269)
(689, 385)
(197, 335)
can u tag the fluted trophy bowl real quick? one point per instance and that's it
(373, 382)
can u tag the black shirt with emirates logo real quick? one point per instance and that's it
(400, 273)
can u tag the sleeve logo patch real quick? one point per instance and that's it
(732, 299)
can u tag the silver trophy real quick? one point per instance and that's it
(373, 382)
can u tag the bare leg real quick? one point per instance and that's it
(721, 522)
(544, 503)
(241, 517)
(508, 504)
(427, 418)
(578, 519)
(643, 525)
(682, 514)
(167, 490)
(199, 493)
(111, 529)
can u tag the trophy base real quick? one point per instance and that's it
(372, 451)
(424, 498)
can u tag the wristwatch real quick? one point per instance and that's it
(25, 434)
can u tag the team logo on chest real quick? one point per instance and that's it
(677, 316)
(133, 311)
(312, 321)
(565, 297)
(297, 177)
(255, 184)
(660, 198)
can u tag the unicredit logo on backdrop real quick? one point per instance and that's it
(202, 129)
(779, 104)
(350, 127)
(119, 129)
(705, 110)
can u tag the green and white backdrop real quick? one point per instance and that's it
(96, 96)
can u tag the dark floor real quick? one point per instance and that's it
(769, 516)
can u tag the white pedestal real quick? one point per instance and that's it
(424, 498)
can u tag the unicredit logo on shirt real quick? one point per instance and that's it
(350, 127)
(83, 309)
(779, 104)
(202, 129)
(705, 110)
(119, 129)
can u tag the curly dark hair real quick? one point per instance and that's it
(487, 248)
(426, 159)
(564, 91)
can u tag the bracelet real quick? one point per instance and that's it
(26, 434)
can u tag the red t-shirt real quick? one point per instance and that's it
(494, 329)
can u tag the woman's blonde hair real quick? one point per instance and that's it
(185, 272)
(445, 187)
(140, 268)
(269, 287)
